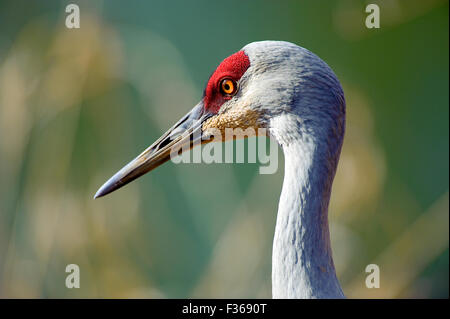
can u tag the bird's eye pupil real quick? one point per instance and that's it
(228, 87)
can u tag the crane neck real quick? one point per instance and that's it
(302, 263)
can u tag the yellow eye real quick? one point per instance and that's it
(228, 86)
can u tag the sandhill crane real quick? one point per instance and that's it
(296, 96)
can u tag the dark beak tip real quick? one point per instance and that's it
(97, 195)
(107, 188)
(100, 193)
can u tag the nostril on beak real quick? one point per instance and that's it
(163, 143)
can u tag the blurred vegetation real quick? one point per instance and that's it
(76, 105)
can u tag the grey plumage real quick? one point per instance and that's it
(303, 107)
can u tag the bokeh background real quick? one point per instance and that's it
(76, 105)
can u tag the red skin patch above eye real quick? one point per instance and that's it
(232, 67)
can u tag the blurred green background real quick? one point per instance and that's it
(78, 104)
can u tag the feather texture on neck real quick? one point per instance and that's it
(302, 264)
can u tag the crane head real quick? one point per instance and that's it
(252, 88)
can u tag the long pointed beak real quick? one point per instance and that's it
(184, 135)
